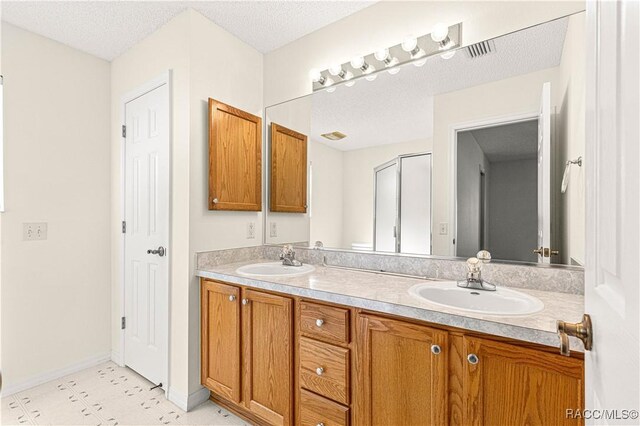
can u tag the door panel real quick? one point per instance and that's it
(288, 170)
(511, 385)
(544, 172)
(221, 360)
(268, 356)
(235, 159)
(147, 219)
(386, 208)
(415, 204)
(401, 380)
(612, 296)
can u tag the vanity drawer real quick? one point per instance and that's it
(325, 322)
(324, 369)
(315, 410)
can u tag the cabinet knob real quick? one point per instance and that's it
(232, 298)
(319, 322)
(245, 301)
(320, 424)
(472, 358)
(319, 371)
(435, 349)
(214, 201)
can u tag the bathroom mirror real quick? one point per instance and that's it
(481, 149)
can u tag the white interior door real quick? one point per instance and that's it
(415, 204)
(612, 297)
(544, 172)
(147, 228)
(386, 208)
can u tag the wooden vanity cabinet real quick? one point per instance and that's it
(506, 384)
(272, 359)
(402, 373)
(247, 351)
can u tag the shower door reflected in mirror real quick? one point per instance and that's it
(402, 207)
(498, 143)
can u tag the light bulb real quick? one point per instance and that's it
(357, 62)
(328, 82)
(420, 63)
(315, 75)
(381, 54)
(448, 55)
(439, 32)
(394, 70)
(347, 75)
(409, 43)
(335, 69)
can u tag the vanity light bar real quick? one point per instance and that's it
(415, 50)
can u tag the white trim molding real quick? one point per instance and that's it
(48, 376)
(188, 403)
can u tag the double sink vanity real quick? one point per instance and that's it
(322, 345)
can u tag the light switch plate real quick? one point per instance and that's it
(273, 229)
(34, 231)
(444, 228)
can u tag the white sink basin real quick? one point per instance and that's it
(273, 269)
(503, 301)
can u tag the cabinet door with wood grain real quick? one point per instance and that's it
(268, 356)
(401, 373)
(220, 345)
(288, 170)
(513, 385)
(235, 158)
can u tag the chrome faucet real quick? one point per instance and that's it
(288, 256)
(474, 273)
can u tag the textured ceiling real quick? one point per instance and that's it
(109, 28)
(516, 141)
(398, 108)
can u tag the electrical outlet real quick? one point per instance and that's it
(34, 231)
(273, 229)
(444, 228)
(251, 230)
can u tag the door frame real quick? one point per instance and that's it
(163, 79)
(453, 160)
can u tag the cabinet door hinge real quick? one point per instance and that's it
(124, 227)
(123, 323)
(124, 131)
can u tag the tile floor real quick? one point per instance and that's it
(104, 395)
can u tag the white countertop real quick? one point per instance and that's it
(389, 294)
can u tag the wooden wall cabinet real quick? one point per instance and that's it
(235, 158)
(288, 170)
(247, 351)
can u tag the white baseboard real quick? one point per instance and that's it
(187, 403)
(48, 376)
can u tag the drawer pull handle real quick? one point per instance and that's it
(232, 298)
(319, 322)
(435, 349)
(472, 358)
(319, 371)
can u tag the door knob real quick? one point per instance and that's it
(160, 251)
(582, 330)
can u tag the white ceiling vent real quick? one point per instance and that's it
(481, 49)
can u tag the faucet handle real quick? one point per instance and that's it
(473, 264)
(484, 256)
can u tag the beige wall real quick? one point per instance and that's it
(287, 69)
(167, 48)
(570, 95)
(56, 292)
(206, 61)
(228, 70)
(358, 165)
